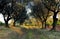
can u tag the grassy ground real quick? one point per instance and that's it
(8, 33)
(42, 34)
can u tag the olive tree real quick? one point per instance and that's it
(54, 6)
(41, 13)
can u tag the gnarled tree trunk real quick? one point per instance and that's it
(6, 24)
(54, 20)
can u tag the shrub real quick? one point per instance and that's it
(1, 23)
(58, 22)
(49, 23)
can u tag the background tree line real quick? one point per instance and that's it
(40, 10)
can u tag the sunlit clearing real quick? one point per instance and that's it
(56, 16)
(32, 24)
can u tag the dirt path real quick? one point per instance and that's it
(4, 32)
(18, 30)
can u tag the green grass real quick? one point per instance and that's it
(42, 34)
(58, 22)
(31, 34)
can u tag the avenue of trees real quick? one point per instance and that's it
(41, 10)
(43, 7)
(12, 10)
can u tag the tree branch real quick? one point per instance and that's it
(47, 7)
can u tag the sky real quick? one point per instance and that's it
(1, 18)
